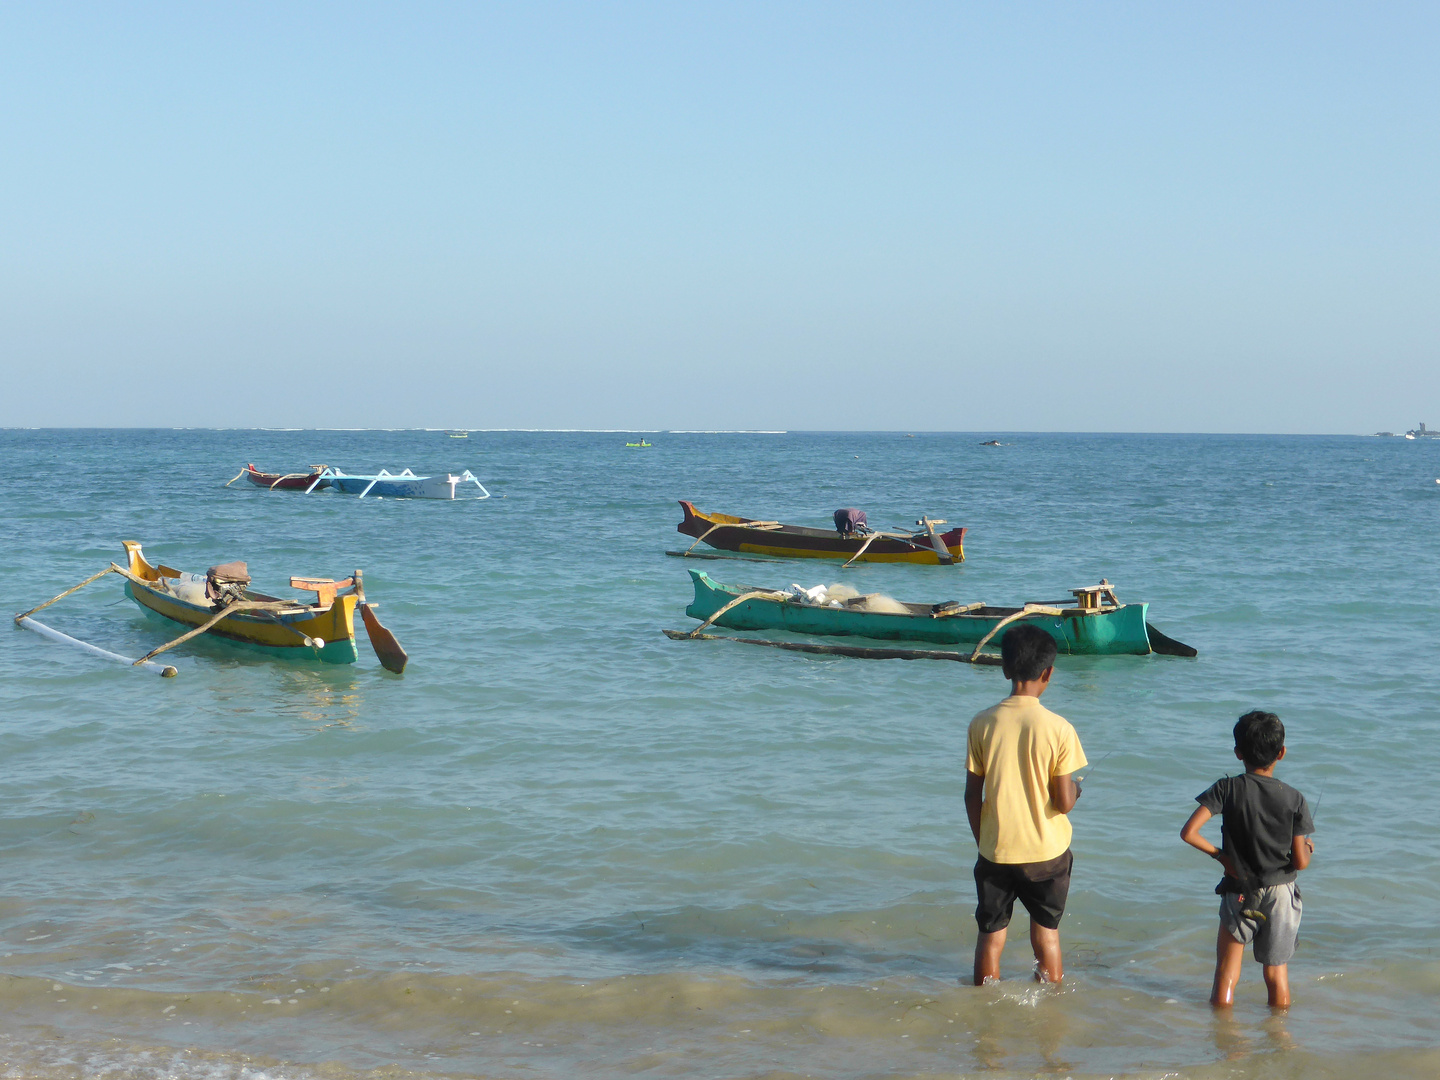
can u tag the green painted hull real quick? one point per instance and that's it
(1117, 631)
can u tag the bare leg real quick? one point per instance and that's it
(1229, 956)
(1046, 943)
(988, 948)
(1277, 981)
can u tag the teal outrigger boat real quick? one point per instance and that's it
(1093, 623)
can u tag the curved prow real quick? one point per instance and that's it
(1167, 646)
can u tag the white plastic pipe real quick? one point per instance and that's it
(163, 670)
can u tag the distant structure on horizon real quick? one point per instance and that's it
(1421, 432)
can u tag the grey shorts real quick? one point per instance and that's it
(1273, 936)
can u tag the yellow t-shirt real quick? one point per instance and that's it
(1017, 746)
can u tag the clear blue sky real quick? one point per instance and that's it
(1133, 217)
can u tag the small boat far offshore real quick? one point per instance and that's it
(749, 536)
(1093, 623)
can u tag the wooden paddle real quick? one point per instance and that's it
(387, 650)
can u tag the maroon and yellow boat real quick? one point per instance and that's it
(285, 481)
(750, 536)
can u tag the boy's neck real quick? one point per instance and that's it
(1029, 688)
(1268, 770)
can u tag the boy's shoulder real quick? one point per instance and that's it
(1026, 708)
(1248, 789)
(1022, 713)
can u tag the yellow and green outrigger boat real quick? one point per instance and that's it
(1093, 623)
(220, 601)
(324, 627)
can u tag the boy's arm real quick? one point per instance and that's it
(1301, 848)
(1064, 792)
(1190, 833)
(974, 799)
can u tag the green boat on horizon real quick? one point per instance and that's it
(1092, 623)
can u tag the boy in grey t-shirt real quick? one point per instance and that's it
(1266, 830)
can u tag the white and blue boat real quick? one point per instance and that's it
(404, 485)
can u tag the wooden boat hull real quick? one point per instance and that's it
(172, 595)
(283, 481)
(1109, 632)
(799, 542)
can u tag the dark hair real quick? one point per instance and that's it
(1026, 651)
(1259, 736)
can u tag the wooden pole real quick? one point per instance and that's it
(946, 559)
(730, 525)
(766, 594)
(859, 651)
(1027, 610)
(93, 577)
(238, 606)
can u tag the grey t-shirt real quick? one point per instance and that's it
(1261, 817)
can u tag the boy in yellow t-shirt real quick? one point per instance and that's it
(1019, 786)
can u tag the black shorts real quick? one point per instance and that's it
(1041, 886)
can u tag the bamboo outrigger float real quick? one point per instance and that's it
(221, 602)
(1093, 623)
(749, 536)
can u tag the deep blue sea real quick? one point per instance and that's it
(562, 845)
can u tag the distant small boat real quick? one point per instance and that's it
(992, 442)
(1093, 623)
(637, 445)
(749, 536)
(406, 485)
(458, 434)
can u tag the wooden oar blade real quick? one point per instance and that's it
(387, 650)
(1168, 646)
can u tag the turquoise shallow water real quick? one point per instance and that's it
(563, 845)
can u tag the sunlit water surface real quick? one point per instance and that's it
(562, 845)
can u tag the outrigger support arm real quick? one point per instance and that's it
(1027, 610)
(112, 568)
(726, 524)
(766, 594)
(230, 609)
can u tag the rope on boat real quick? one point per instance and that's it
(766, 594)
(112, 568)
(767, 525)
(1027, 610)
